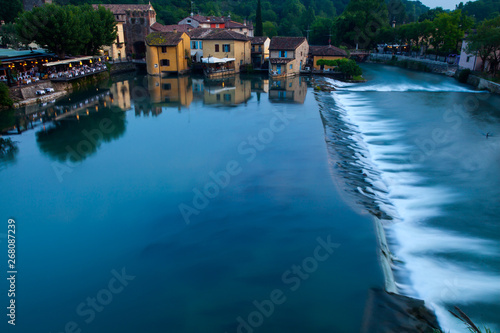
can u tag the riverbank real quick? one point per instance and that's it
(27, 95)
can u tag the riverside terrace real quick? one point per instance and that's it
(20, 68)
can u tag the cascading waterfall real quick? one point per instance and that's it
(370, 151)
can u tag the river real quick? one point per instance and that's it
(187, 205)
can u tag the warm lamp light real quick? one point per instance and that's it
(70, 66)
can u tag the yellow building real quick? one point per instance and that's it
(170, 91)
(226, 51)
(260, 50)
(167, 52)
(287, 55)
(326, 52)
(115, 51)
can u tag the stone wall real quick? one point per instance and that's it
(483, 84)
(415, 63)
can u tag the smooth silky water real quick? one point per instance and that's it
(434, 177)
(98, 184)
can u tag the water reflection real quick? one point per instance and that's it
(170, 91)
(288, 90)
(65, 125)
(227, 91)
(80, 123)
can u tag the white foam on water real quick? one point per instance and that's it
(404, 195)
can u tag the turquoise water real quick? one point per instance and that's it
(101, 193)
(432, 174)
(241, 205)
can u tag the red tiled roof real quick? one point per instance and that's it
(170, 28)
(223, 34)
(259, 40)
(326, 50)
(200, 33)
(234, 25)
(164, 38)
(286, 43)
(120, 9)
(208, 19)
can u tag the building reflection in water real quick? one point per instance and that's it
(170, 91)
(150, 95)
(226, 91)
(120, 95)
(288, 90)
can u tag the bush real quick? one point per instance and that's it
(5, 99)
(347, 66)
(463, 76)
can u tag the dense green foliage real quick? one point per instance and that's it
(9, 9)
(444, 33)
(346, 66)
(486, 43)
(5, 99)
(259, 29)
(481, 9)
(76, 30)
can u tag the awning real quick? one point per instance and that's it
(214, 60)
(67, 61)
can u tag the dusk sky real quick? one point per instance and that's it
(446, 4)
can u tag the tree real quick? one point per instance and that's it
(270, 29)
(259, 28)
(486, 42)
(449, 30)
(9, 36)
(99, 27)
(361, 22)
(68, 29)
(10, 9)
(347, 66)
(322, 31)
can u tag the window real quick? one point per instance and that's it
(291, 66)
(241, 29)
(193, 45)
(163, 49)
(189, 21)
(217, 25)
(468, 58)
(165, 62)
(200, 45)
(260, 48)
(290, 85)
(216, 47)
(226, 48)
(282, 54)
(167, 86)
(241, 62)
(218, 97)
(227, 97)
